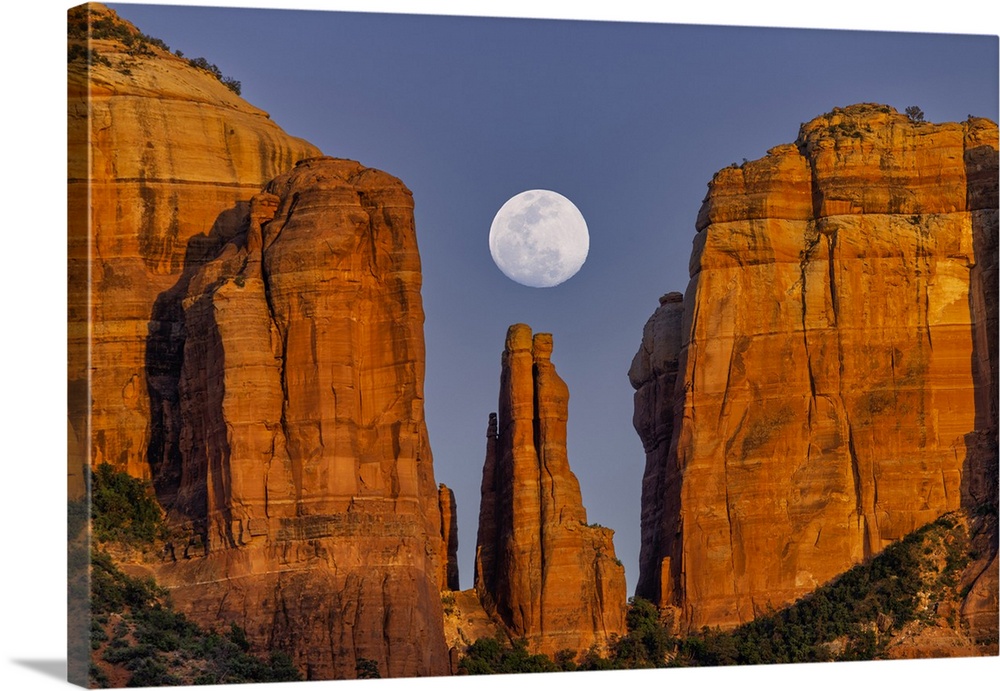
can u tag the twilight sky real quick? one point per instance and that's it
(627, 120)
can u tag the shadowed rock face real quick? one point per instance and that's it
(305, 471)
(828, 382)
(449, 533)
(654, 376)
(546, 574)
(174, 157)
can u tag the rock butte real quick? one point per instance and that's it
(546, 574)
(827, 383)
(304, 469)
(259, 355)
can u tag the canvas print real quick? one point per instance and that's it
(407, 346)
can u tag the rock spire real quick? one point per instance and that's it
(540, 568)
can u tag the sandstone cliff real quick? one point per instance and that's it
(174, 155)
(540, 568)
(828, 382)
(305, 472)
(259, 355)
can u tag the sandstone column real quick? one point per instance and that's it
(547, 575)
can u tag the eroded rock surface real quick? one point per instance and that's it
(540, 568)
(835, 358)
(305, 472)
(259, 355)
(174, 155)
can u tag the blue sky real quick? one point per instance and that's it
(628, 120)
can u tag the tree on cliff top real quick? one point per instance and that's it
(914, 113)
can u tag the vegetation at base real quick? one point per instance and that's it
(647, 641)
(367, 669)
(124, 509)
(136, 632)
(85, 25)
(852, 618)
(495, 656)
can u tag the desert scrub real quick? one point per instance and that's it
(854, 617)
(79, 52)
(143, 635)
(494, 656)
(862, 607)
(123, 509)
(85, 25)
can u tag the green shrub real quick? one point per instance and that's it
(914, 114)
(566, 660)
(76, 52)
(233, 85)
(492, 656)
(150, 636)
(98, 679)
(123, 509)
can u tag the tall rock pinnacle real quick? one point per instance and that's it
(547, 575)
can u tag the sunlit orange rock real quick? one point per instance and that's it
(169, 157)
(305, 477)
(540, 568)
(256, 336)
(835, 357)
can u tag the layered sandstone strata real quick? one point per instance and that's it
(259, 355)
(304, 476)
(163, 158)
(540, 568)
(835, 359)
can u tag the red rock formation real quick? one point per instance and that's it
(260, 356)
(305, 472)
(163, 158)
(836, 358)
(653, 374)
(547, 575)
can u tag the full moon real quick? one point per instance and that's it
(539, 238)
